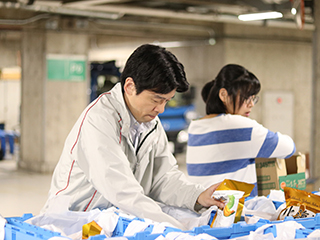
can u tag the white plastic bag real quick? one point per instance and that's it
(261, 207)
(58, 218)
(2, 224)
(188, 218)
(284, 231)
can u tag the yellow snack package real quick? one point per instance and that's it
(225, 217)
(228, 184)
(90, 229)
(300, 204)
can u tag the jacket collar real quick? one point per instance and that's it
(117, 100)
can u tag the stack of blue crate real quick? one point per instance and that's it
(17, 229)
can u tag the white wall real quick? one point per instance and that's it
(10, 88)
(281, 59)
(10, 103)
(279, 65)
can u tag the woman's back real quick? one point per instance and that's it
(225, 143)
(225, 146)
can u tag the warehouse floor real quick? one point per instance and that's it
(24, 192)
(20, 191)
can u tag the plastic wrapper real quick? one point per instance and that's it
(2, 224)
(300, 204)
(225, 217)
(228, 184)
(90, 229)
(259, 207)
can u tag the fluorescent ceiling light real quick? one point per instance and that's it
(173, 44)
(293, 11)
(211, 41)
(260, 16)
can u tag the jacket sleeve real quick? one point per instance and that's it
(170, 184)
(272, 144)
(107, 168)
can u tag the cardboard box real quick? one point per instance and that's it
(275, 173)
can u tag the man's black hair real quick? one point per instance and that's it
(155, 69)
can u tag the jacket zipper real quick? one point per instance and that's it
(138, 148)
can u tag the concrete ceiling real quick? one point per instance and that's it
(194, 18)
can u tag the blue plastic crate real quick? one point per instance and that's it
(17, 229)
(144, 235)
(303, 233)
(309, 223)
(235, 230)
(98, 237)
(121, 226)
(23, 218)
(277, 204)
(300, 233)
(165, 232)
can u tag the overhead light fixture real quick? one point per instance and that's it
(298, 12)
(260, 16)
(174, 44)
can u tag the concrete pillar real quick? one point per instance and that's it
(48, 108)
(315, 136)
(32, 100)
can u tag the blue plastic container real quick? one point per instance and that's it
(121, 226)
(144, 235)
(17, 229)
(235, 230)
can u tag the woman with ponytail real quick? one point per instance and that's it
(224, 143)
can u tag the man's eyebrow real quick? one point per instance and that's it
(160, 97)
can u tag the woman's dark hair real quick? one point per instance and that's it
(237, 81)
(154, 68)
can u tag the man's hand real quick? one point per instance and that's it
(206, 200)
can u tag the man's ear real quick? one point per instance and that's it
(223, 94)
(129, 87)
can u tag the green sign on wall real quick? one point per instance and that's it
(66, 67)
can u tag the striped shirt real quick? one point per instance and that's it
(225, 146)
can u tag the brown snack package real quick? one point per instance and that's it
(300, 204)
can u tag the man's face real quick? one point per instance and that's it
(146, 105)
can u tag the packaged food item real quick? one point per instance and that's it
(300, 204)
(90, 229)
(225, 217)
(228, 184)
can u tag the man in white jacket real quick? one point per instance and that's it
(117, 153)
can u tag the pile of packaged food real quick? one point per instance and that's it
(288, 214)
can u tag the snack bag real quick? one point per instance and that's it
(300, 204)
(225, 217)
(228, 184)
(90, 229)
